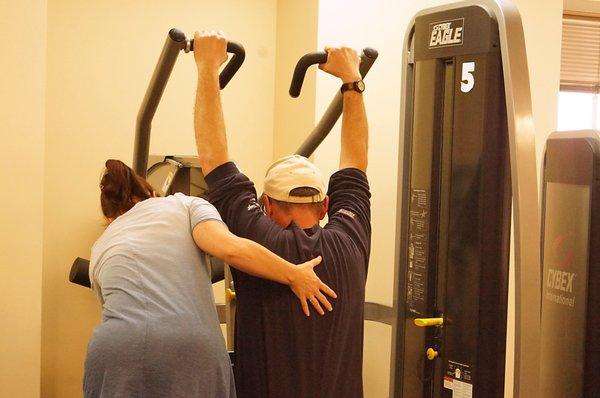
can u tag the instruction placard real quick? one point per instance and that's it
(418, 248)
(458, 379)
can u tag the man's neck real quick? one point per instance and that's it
(303, 219)
(306, 225)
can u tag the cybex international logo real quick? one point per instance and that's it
(560, 286)
(446, 33)
(560, 280)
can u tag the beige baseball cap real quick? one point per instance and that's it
(292, 172)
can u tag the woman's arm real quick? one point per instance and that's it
(215, 239)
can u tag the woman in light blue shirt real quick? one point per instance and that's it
(160, 334)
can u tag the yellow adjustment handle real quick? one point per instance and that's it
(431, 354)
(229, 295)
(426, 322)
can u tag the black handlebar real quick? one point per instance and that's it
(81, 267)
(80, 272)
(239, 55)
(334, 110)
(176, 41)
(319, 57)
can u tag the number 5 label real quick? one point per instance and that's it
(467, 79)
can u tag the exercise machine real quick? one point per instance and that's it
(169, 174)
(468, 165)
(571, 266)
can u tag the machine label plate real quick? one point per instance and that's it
(418, 249)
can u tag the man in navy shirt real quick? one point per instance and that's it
(280, 353)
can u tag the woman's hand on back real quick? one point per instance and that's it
(214, 238)
(307, 286)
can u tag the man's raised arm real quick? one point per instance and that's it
(210, 52)
(344, 62)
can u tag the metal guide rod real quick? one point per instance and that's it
(379, 313)
(525, 199)
(334, 110)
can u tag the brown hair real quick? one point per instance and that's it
(121, 188)
(301, 192)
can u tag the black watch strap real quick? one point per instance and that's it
(358, 86)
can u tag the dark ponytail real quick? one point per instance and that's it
(121, 188)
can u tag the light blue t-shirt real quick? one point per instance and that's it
(160, 333)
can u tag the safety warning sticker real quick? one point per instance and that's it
(418, 236)
(458, 379)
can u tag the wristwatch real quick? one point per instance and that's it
(358, 86)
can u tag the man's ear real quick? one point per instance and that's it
(267, 205)
(324, 208)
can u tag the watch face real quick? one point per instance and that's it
(360, 85)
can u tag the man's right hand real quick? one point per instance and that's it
(210, 49)
(342, 62)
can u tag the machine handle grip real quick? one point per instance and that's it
(319, 57)
(368, 56)
(428, 322)
(80, 272)
(234, 64)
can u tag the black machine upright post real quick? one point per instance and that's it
(174, 43)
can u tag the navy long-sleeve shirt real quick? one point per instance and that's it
(281, 353)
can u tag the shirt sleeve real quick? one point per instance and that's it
(350, 207)
(200, 210)
(234, 196)
(93, 271)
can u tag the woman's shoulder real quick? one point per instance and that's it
(109, 248)
(112, 240)
(163, 203)
(188, 200)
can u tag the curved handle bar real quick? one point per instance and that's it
(334, 110)
(234, 64)
(320, 57)
(79, 272)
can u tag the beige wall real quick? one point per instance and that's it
(382, 25)
(22, 78)
(296, 36)
(100, 59)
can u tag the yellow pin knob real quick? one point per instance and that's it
(431, 354)
(229, 295)
(427, 322)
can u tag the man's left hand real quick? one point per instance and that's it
(210, 49)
